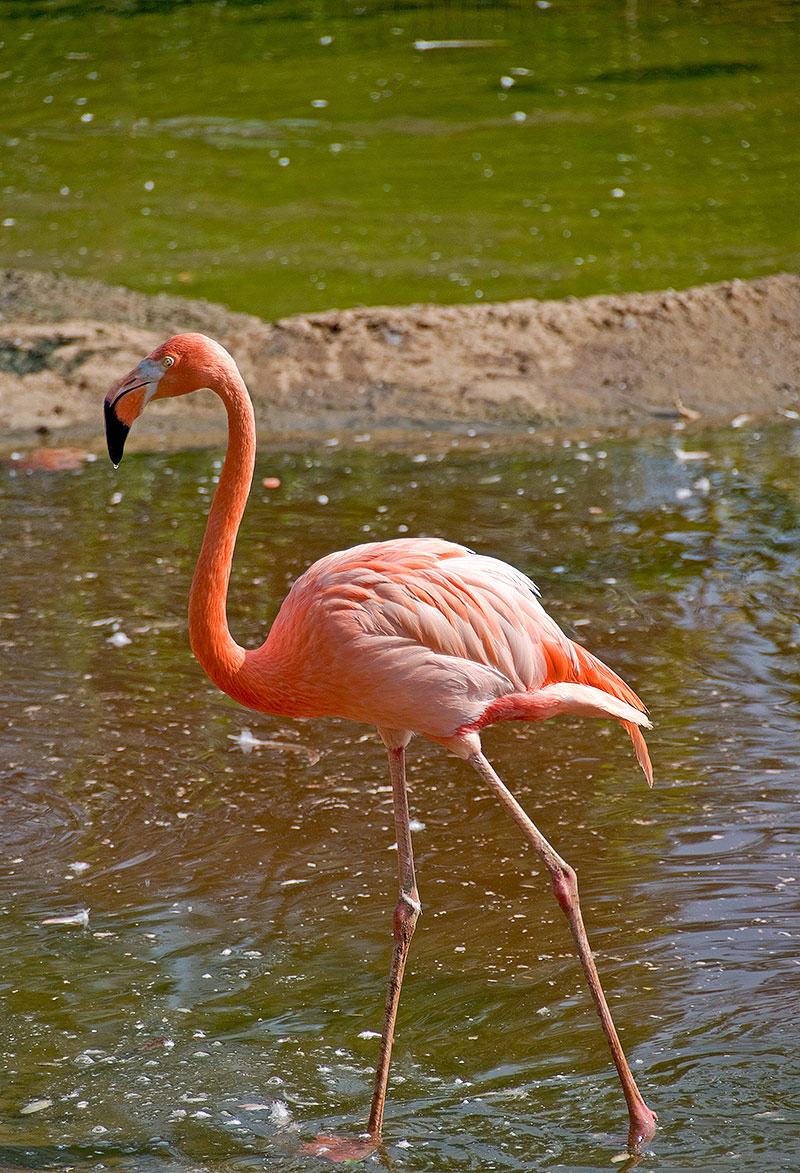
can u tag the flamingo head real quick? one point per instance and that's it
(182, 364)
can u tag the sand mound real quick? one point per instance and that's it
(616, 362)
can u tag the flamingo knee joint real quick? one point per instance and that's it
(413, 904)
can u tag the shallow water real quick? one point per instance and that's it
(211, 1014)
(283, 157)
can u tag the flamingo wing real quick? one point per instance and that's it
(416, 634)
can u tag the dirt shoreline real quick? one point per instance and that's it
(621, 362)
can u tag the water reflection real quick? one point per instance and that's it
(221, 1003)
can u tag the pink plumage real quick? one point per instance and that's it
(412, 636)
(436, 640)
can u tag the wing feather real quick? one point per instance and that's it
(425, 635)
(446, 599)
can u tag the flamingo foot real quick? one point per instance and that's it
(340, 1149)
(642, 1129)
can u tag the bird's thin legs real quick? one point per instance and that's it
(565, 886)
(405, 918)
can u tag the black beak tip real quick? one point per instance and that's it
(116, 435)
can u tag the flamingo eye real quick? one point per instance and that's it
(167, 362)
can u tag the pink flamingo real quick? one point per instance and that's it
(412, 636)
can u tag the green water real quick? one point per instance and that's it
(285, 157)
(211, 1015)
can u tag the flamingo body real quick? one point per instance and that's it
(412, 636)
(437, 640)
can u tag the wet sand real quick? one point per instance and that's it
(622, 363)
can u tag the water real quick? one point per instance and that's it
(210, 1016)
(285, 157)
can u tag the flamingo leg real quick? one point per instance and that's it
(565, 886)
(406, 914)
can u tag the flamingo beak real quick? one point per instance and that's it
(116, 434)
(126, 401)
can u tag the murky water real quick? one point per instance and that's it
(212, 1014)
(290, 156)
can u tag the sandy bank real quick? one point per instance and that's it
(618, 362)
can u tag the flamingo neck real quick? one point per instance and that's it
(212, 643)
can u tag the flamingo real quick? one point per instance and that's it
(412, 636)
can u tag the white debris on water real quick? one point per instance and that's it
(279, 1112)
(34, 1106)
(682, 455)
(426, 46)
(245, 740)
(79, 919)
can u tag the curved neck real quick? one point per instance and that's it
(212, 643)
